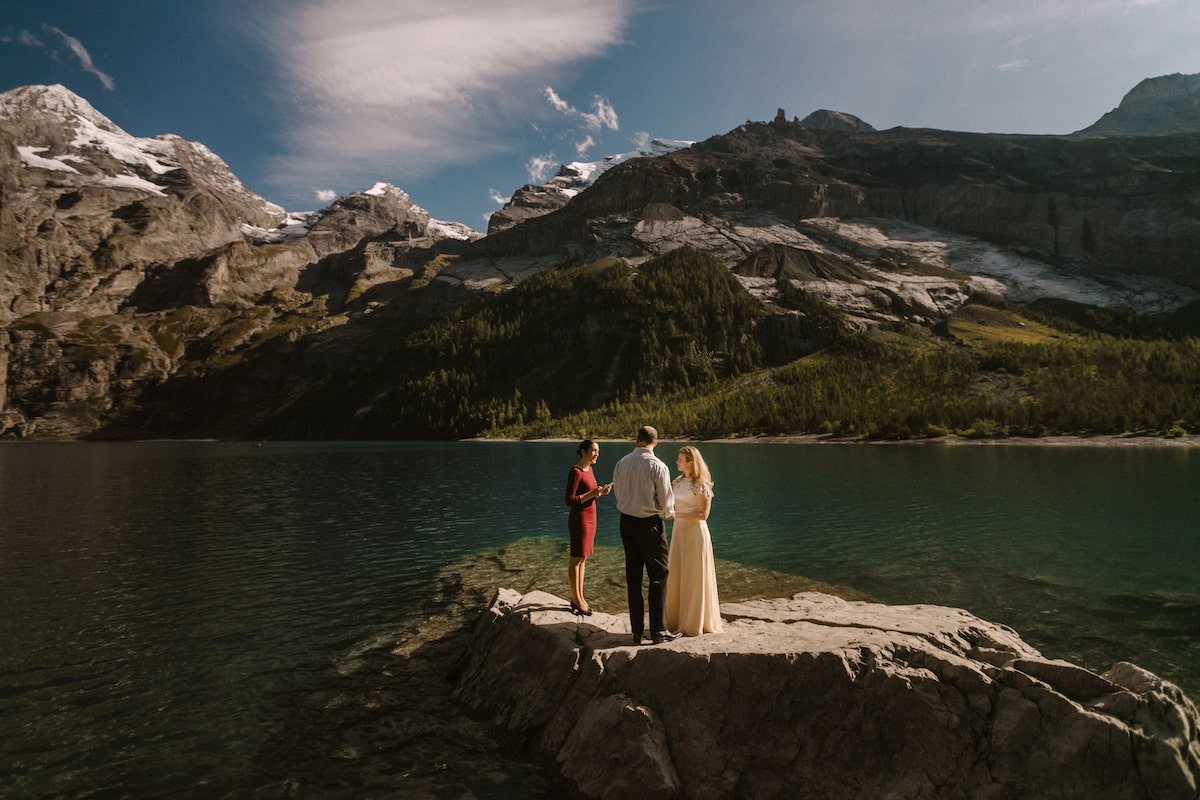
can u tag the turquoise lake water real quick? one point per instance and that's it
(196, 619)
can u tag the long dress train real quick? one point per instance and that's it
(692, 605)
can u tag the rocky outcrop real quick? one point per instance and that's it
(531, 200)
(535, 200)
(834, 121)
(1160, 106)
(815, 696)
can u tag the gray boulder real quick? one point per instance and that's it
(815, 696)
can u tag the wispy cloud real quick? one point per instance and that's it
(26, 39)
(605, 116)
(1020, 63)
(556, 102)
(85, 58)
(602, 116)
(920, 19)
(32, 40)
(405, 87)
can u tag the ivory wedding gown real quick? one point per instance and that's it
(692, 607)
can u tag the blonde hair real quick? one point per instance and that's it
(697, 470)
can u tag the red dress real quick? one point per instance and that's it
(581, 522)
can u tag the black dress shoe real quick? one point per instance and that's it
(580, 612)
(637, 638)
(658, 637)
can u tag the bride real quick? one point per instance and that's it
(692, 607)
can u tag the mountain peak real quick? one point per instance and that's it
(534, 200)
(1158, 106)
(55, 102)
(835, 121)
(61, 132)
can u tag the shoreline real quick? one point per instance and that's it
(1071, 440)
(1122, 440)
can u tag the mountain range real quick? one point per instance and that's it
(145, 291)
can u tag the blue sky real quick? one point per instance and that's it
(460, 102)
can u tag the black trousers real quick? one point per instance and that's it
(645, 540)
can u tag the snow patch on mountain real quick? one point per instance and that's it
(294, 225)
(380, 189)
(1016, 277)
(30, 158)
(438, 229)
(573, 178)
(298, 224)
(94, 139)
(54, 102)
(127, 181)
(452, 230)
(156, 155)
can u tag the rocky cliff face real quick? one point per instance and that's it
(1155, 107)
(535, 200)
(815, 696)
(129, 261)
(1083, 206)
(89, 210)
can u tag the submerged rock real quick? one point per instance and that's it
(816, 696)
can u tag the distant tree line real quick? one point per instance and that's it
(904, 389)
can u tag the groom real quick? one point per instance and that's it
(644, 498)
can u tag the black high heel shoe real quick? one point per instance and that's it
(580, 612)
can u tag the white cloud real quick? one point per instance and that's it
(604, 116)
(541, 168)
(27, 39)
(498, 198)
(1020, 63)
(400, 88)
(325, 196)
(85, 58)
(557, 102)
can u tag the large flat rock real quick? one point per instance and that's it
(815, 696)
